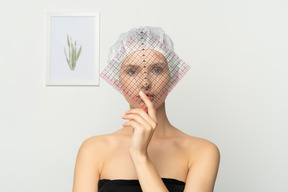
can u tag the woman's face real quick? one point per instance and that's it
(145, 70)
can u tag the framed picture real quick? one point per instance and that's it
(72, 55)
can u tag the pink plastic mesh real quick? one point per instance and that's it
(144, 63)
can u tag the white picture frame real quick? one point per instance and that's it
(72, 48)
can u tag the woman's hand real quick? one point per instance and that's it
(143, 125)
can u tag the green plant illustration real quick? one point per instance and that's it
(73, 54)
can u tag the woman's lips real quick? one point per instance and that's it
(138, 98)
(151, 97)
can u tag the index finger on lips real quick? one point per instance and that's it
(149, 104)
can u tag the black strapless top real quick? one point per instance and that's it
(122, 185)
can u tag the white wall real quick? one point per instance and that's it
(234, 95)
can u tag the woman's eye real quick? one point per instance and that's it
(131, 71)
(158, 70)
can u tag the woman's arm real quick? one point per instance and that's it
(144, 125)
(86, 173)
(203, 168)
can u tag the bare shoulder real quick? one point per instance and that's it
(100, 145)
(88, 164)
(93, 150)
(199, 148)
(97, 145)
(202, 144)
(204, 158)
(95, 142)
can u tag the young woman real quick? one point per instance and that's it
(148, 153)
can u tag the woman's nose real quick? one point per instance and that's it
(146, 83)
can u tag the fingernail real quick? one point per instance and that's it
(141, 93)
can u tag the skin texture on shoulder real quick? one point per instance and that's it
(203, 161)
(203, 165)
(88, 163)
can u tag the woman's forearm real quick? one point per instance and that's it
(148, 175)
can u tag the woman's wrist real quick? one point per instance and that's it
(137, 156)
